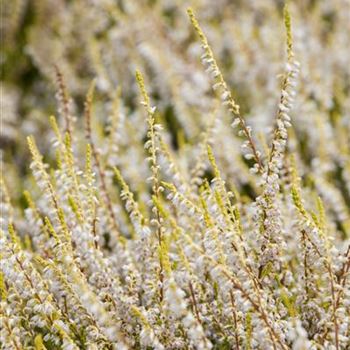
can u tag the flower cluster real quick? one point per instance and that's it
(159, 227)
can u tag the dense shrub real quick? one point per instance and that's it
(165, 228)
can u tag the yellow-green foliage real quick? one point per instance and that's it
(135, 216)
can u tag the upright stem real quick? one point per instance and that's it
(101, 173)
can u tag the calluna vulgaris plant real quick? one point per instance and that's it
(165, 228)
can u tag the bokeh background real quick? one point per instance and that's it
(108, 39)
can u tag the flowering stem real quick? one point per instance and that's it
(88, 112)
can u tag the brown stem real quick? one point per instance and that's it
(256, 305)
(234, 319)
(95, 155)
(194, 301)
(94, 233)
(335, 319)
(62, 91)
(12, 339)
(305, 265)
(251, 142)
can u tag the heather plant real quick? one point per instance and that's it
(180, 206)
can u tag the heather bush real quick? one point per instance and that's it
(191, 188)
